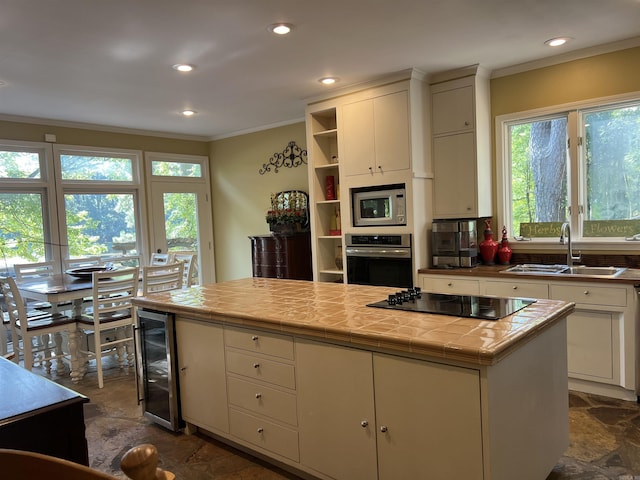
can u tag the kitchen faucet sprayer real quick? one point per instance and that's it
(565, 231)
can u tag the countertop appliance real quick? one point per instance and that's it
(454, 243)
(470, 306)
(157, 368)
(379, 205)
(384, 260)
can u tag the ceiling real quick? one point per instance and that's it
(108, 62)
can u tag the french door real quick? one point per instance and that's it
(180, 210)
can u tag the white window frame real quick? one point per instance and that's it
(135, 187)
(576, 186)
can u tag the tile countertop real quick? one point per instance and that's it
(338, 312)
(629, 276)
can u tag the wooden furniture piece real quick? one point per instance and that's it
(282, 256)
(160, 278)
(31, 270)
(139, 463)
(40, 416)
(112, 310)
(31, 335)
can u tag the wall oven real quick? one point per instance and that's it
(383, 260)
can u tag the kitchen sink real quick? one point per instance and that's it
(565, 270)
(534, 268)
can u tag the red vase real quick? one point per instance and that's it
(488, 247)
(504, 252)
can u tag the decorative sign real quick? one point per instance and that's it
(591, 228)
(292, 156)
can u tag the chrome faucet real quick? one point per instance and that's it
(565, 231)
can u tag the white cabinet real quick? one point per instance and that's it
(461, 145)
(201, 365)
(595, 330)
(425, 420)
(262, 390)
(600, 333)
(376, 135)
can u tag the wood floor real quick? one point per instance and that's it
(604, 434)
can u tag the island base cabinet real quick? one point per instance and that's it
(428, 420)
(336, 412)
(203, 384)
(425, 421)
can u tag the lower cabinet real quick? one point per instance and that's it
(202, 376)
(425, 421)
(600, 333)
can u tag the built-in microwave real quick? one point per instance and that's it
(380, 205)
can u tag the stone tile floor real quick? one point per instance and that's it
(604, 437)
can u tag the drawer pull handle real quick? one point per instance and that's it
(515, 287)
(258, 396)
(586, 292)
(183, 369)
(449, 284)
(364, 424)
(254, 338)
(256, 365)
(384, 429)
(260, 430)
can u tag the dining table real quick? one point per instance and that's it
(60, 290)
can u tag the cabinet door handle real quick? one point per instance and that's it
(183, 369)
(370, 170)
(586, 292)
(466, 123)
(515, 287)
(450, 284)
(258, 396)
(384, 429)
(254, 338)
(260, 430)
(364, 424)
(380, 168)
(256, 365)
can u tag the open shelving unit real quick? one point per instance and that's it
(323, 151)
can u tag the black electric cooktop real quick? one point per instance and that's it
(486, 308)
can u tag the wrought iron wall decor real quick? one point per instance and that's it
(292, 156)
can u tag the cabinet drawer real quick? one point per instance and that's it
(259, 341)
(589, 295)
(517, 289)
(260, 368)
(452, 285)
(263, 400)
(264, 434)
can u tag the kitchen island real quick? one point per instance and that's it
(304, 374)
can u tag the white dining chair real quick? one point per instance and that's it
(189, 260)
(160, 259)
(38, 339)
(71, 263)
(112, 311)
(160, 278)
(27, 271)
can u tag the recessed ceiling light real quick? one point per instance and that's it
(280, 28)
(328, 80)
(188, 112)
(183, 67)
(556, 42)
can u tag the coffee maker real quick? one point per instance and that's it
(454, 243)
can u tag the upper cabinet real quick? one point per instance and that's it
(376, 135)
(460, 119)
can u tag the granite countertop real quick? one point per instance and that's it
(338, 312)
(631, 276)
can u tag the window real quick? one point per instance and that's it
(25, 208)
(100, 198)
(579, 165)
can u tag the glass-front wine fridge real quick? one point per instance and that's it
(157, 368)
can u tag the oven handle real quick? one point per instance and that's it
(378, 252)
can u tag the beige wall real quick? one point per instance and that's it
(241, 195)
(593, 77)
(94, 138)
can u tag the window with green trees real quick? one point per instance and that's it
(580, 166)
